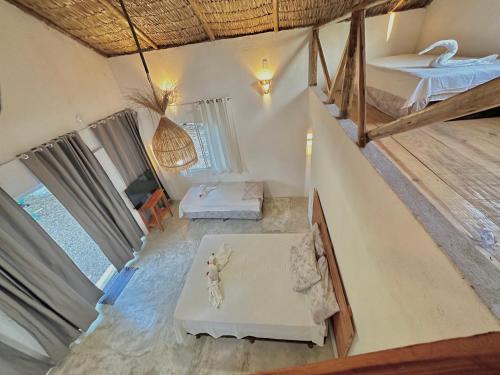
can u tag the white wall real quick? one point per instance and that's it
(271, 131)
(402, 288)
(381, 38)
(50, 85)
(473, 23)
(47, 81)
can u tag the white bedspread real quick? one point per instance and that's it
(226, 197)
(409, 80)
(258, 296)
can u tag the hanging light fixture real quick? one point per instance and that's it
(173, 147)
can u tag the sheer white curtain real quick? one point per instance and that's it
(222, 140)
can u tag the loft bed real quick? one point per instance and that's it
(258, 298)
(404, 84)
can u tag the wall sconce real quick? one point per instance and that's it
(265, 85)
(265, 78)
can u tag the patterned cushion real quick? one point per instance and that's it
(303, 266)
(318, 242)
(253, 190)
(321, 295)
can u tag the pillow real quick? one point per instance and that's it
(321, 296)
(303, 265)
(253, 190)
(318, 242)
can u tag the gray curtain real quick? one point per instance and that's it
(72, 173)
(120, 137)
(14, 362)
(40, 287)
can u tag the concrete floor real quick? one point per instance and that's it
(55, 219)
(136, 335)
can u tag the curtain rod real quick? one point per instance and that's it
(93, 125)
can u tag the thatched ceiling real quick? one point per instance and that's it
(167, 23)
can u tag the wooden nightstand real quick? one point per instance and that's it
(154, 210)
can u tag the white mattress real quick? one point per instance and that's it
(402, 84)
(226, 197)
(258, 296)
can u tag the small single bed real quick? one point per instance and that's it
(259, 301)
(403, 84)
(231, 200)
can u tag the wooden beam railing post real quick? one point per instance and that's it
(361, 81)
(313, 59)
(339, 76)
(478, 99)
(350, 66)
(323, 62)
(476, 355)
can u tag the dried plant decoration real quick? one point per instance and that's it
(173, 147)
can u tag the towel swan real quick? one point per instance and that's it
(445, 59)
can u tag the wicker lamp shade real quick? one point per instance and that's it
(173, 147)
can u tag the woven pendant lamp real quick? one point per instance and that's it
(173, 147)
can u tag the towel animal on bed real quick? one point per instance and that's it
(206, 189)
(213, 284)
(216, 263)
(445, 59)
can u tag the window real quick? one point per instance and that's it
(199, 134)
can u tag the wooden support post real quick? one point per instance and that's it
(350, 66)
(323, 62)
(195, 7)
(276, 18)
(339, 76)
(478, 99)
(313, 59)
(361, 81)
(119, 15)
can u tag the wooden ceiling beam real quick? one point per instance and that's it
(119, 15)
(276, 19)
(195, 7)
(363, 4)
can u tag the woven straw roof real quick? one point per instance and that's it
(168, 23)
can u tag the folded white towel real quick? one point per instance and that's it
(213, 283)
(214, 293)
(220, 257)
(445, 59)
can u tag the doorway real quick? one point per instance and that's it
(55, 219)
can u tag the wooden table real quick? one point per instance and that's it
(157, 206)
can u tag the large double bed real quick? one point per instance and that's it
(258, 298)
(259, 301)
(403, 84)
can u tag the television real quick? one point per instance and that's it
(141, 189)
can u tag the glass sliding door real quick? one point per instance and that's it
(55, 219)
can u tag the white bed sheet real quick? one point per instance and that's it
(257, 288)
(226, 197)
(408, 77)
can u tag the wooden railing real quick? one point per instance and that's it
(353, 64)
(477, 355)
